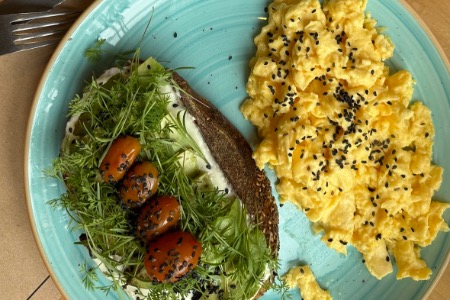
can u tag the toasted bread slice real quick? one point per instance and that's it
(234, 156)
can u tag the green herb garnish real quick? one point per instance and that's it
(95, 52)
(235, 256)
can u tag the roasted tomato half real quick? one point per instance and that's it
(139, 184)
(170, 256)
(119, 158)
(157, 216)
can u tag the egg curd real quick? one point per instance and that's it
(303, 277)
(347, 146)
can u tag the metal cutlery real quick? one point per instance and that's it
(24, 31)
(20, 6)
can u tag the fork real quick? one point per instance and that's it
(19, 6)
(25, 31)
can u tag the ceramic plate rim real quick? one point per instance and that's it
(82, 18)
(29, 127)
(446, 60)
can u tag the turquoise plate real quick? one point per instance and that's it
(216, 38)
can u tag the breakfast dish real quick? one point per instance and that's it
(152, 172)
(218, 43)
(339, 129)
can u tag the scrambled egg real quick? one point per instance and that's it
(303, 278)
(339, 130)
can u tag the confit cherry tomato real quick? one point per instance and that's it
(171, 255)
(139, 184)
(119, 158)
(157, 216)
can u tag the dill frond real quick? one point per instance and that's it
(94, 53)
(131, 103)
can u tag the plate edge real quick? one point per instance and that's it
(54, 56)
(31, 116)
(446, 60)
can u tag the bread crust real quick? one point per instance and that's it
(234, 156)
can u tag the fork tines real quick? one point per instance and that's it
(38, 29)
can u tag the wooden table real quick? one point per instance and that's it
(22, 272)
